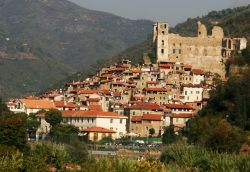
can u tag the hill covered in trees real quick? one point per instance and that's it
(44, 41)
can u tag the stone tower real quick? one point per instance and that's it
(160, 41)
(202, 30)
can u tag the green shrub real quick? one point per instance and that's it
(199, 158)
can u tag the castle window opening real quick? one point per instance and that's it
(162, 51)
(163, 32)
(173, 51)
(162, 42)
(179, 51)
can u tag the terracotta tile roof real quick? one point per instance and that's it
(98, 130)
(143, 105)
(82, 113)
(38, 104)
(182, 115)
(117, 94)
(177, 106)
(198, 72)
(61, 104)
(155, 89)
(136, 118)
(187, 67)
(95, 107)
(152, 117)
(152, 82)
(117, 69)
(136, 71)
(166, 66)
(89, 91)
(117, 83)
(110, 76)
(93, 99)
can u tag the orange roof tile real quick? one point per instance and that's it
(178, 106)
(167, 66)
(95, 107)
(98, 129)
(187, 67)
(152, 117)
(93, 99)
(182, 115)
(38, 104)
(144, 105)
(155, 89)
(152, 82)
(198, 72)
(136, 118)
(82, 113)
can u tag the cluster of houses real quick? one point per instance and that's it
(123, 99)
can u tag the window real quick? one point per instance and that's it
(191, 92)
(111, 121)
(134, 113)
(120, 121)
(162, 42)
(163, 32)
(162, 51)
(173, 51)
(179, 51)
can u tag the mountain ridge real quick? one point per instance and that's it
(63, 36)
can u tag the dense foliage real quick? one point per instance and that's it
(53, 117)
(169, 136)
(200, 159)
(63, 133)
(232, 101)
(216, 134)
(12, 128)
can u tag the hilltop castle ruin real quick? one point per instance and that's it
(207, 52)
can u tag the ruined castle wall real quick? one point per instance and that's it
(199, 52)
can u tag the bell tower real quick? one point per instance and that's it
(160, 41)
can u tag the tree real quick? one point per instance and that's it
(63, 133)
(215, 133)
(169, 136)
(32, 124)
(12, 129)
(151, 131)
(77, 151)
(53, 117)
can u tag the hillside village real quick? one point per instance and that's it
(123, 99)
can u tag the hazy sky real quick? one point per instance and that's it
(173, 11)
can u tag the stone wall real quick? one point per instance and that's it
(201, 52)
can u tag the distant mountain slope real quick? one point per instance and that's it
(66, 37)
(73, 34)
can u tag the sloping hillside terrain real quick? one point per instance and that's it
(61, 37)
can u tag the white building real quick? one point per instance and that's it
(87, 119)
(30, 105)
(192, 93)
